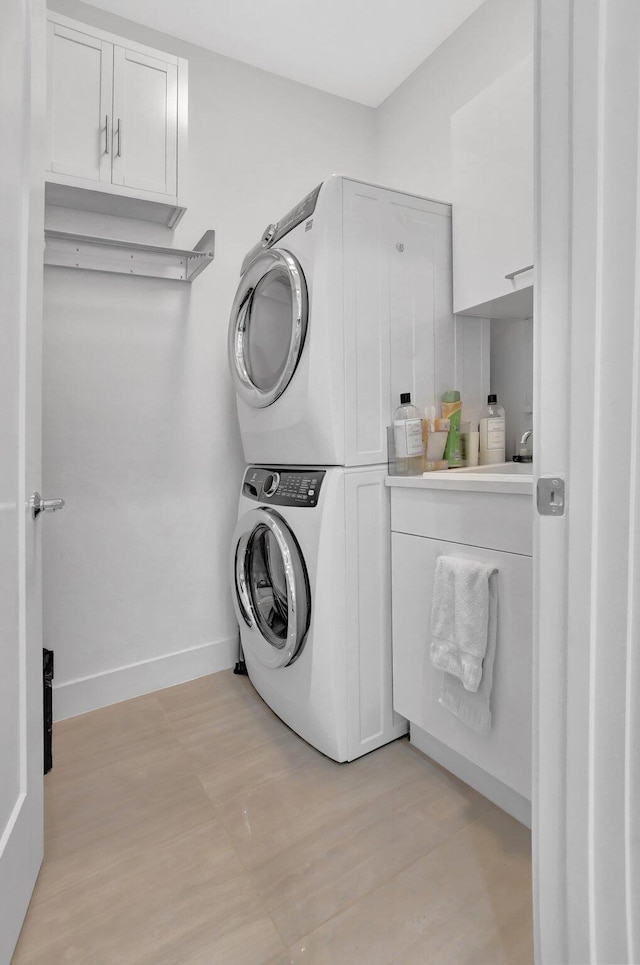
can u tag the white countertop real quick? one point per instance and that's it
(508, 477)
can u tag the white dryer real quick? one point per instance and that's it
(311, 578)
(344, 304)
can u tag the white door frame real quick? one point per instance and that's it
(586, 808)
(22, 112)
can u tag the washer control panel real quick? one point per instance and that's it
(283, 486)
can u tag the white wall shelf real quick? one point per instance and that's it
(68, 250)
(117, 201)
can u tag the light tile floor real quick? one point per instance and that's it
(191, 826)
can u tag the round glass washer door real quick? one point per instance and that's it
(271, 588)
(268, 326)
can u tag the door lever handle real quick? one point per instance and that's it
(520, 271)
(40, 505)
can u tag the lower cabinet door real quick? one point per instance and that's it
(505, 752)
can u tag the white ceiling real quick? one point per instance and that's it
(360, 49)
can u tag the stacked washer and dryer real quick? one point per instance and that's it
(344, 304)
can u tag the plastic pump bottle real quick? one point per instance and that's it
(492, 433)
(451, 409)
(407, 436)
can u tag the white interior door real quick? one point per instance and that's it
(587, 363)
(22, 58)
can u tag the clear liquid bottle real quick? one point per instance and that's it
(407, 436)
(492, 433)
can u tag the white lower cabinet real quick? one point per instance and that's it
(498, 764)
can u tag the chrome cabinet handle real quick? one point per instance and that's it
(40, 505)
(513, 274)
(106, 133)
(119, 133)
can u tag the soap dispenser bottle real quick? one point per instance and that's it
(407, 437)
(492, 433)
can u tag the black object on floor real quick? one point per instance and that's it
(241, 667)
(47, 706)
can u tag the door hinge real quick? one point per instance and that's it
(550, 496)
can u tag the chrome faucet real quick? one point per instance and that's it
(525, 450)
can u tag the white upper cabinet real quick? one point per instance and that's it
(80, 83)
(117, 120)
(145, 121)
(492, 149)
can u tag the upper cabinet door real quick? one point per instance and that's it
(145, 122)
(80, 69)
(492, 148)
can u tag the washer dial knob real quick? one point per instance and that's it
(270, 484)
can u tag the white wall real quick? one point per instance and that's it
(140, 430)
(413, 151)
(512, 375)
(413, 125)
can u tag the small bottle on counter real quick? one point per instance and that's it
(469, 443)
(492, 433)
(407, 435)
(452, 410)
(435, 433)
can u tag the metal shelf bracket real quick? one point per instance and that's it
(68, 250)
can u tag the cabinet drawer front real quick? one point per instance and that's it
(505, 752)
(80, 71)
(500, 521)
(145, 122)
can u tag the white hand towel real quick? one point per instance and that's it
(460, 618)
(474, 710)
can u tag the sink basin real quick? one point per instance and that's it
(508, 478)
(499, 469)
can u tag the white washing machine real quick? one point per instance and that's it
(311, 578)
(344, 304)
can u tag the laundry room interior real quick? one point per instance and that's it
(171, 773)
(138, 406)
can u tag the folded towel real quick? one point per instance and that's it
(460, 618)
(471, 709)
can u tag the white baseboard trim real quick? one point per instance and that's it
(73, 697)
(505, 797)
